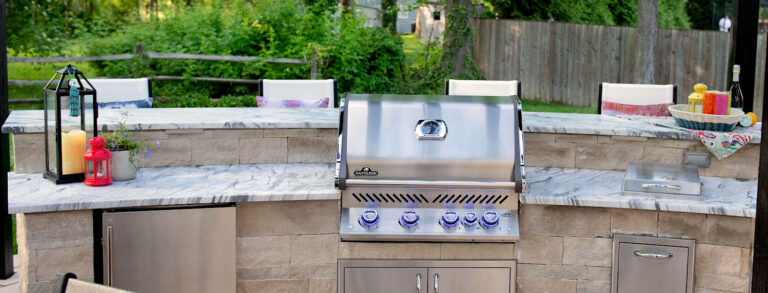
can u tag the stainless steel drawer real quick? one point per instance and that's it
(646, 264)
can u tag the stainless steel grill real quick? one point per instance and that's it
(430, 168)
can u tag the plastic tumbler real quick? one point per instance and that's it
(710, 99)
(722, 103)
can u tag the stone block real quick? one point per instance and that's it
(728, 231)
(275, 132)
(322, 285)
(312, 149)
(288, 218)
(172, 152)
(673, 143)
(567, 272)
(238, 133)
(723, 283)
(74, 259)
(328, 132)
(262, 273)
(663, 155)
(263, 251)
(57, 229)
(38, 287)
(544, 220)
(312, 271)
(150, 135)
(540, 250)
(314, 249)
(216, 151)
(585, 286)
(263, 150)
(576, 138)
(714, 260)
(274, 286)
(599, 273)
(549, 154)
(615, 139)
(25, 139)
(682, 225)
(538, 137)
(546, 286)
(28, 158)
(742, 164)
(531, 271)
(497, 251)
(587, 251)
(607, 157)
(389, 250)
(635, 222)
(188, 133)
(302, 132)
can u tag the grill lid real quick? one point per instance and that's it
(435, 141)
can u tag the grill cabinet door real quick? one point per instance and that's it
(652, 268)
(467, 280)
(384, 280)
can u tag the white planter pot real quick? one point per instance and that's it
(121, 167)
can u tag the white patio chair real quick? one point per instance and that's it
(456, 87)
(120, 93)
(300, 89)
(628, 98)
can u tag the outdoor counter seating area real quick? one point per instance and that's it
(286, 208)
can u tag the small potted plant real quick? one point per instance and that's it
(126, 151)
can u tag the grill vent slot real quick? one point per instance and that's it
(441, 198)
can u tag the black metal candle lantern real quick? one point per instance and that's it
(65, 146)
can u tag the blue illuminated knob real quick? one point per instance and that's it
(490, 220)
(449, 219)
(409, 219)
(369, 219)
(470, 219)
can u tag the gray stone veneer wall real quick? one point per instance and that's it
(207, 147)
(293, 246)
(253, 146)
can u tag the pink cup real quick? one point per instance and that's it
(722, 103)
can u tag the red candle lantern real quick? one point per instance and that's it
(97, 163)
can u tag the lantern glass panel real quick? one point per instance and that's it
(102, 170)
(50, 123)
(89, 169)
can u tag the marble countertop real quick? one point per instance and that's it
(31, 121)
(31, 193)
(601, 188)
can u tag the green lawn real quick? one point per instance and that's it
(536, 106)
(411, 45)
(44, 71)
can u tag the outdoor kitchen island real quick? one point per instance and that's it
(275, 166)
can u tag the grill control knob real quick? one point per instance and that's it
(449, 220)
(490, 220)
(470, 219)
(409, 219)
(369, 219)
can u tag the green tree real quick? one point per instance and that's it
(457, 61)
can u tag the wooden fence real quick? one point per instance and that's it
(152, 55)
(565, 62)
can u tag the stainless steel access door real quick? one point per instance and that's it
(652, 268)
(385, 280)
(466, 280)
(179, 250)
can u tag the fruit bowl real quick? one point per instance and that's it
(699, 121)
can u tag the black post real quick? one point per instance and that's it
(760, 255)
(745, 47)
(6, 261)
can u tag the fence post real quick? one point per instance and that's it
(139, 49)
(313, 71)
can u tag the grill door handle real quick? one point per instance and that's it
(110, 265)
(424, 183)
(437, 279)
(653, 255)
(418, 283)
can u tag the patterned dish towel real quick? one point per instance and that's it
(720, 144)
